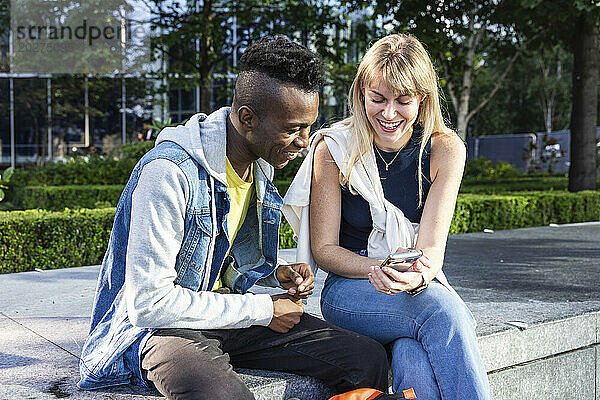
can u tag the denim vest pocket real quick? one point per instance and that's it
(192, 259)
(204, 221)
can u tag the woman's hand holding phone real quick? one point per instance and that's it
(403, 259)
(420, 265)
(392, 278)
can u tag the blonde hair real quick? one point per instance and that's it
(403, 64)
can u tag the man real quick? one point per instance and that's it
(196, 227)
(147, 131)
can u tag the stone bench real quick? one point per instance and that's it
(544, 280)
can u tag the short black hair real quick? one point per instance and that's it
(271, 62)
(284, 60)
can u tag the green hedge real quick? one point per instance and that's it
(84, 170)
(135, 150)
(57, 198)
(47, 240)
(486, 185)
(520, 184)
(43, 239)
(475, 213)
(286, 236)
(78, 171)
(92, 196)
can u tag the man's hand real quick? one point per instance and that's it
(298, 279)
(286, 312)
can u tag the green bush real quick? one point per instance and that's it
(6, 206)
(47, 240)
(44, 239)
(474, 213)
(286, 236)
(520, 184)
(4, 179)
(484, 168)
(136, 150)
(289, 171)
(282, 186)
(76, 171)
(58, 198)
(493, 185)
(84, 170)
(507, 185)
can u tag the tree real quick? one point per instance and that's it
(4, 180)
(70, 37)
(576, 25)
(464, 37)
(532, 90)
(202, 38)
(551, 85)
(583, 169)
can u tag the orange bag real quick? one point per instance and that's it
(373, 394)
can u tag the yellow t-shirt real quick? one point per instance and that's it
(240, 193)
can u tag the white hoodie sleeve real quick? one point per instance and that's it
(155, 237)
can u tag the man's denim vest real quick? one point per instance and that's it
(111, 354)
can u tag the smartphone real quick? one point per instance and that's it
(405, 256)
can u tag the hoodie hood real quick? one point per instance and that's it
(204, 138)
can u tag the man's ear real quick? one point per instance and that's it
(247, 118)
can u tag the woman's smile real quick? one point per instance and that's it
(389, 126)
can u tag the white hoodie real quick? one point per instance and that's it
(157, 227)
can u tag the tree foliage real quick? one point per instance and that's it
(200, 41)
(4, 179)
(537, 85)
(476, 44)
(466, 39)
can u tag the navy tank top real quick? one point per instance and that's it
(400, 187)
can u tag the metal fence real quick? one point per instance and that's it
(526, 151)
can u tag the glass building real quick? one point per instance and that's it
(44, 118)
(47, 117)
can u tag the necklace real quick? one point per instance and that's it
(387, 164)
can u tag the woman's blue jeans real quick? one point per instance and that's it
(432, 335)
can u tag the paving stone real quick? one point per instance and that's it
(544, 277)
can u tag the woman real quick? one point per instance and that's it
(389, 171)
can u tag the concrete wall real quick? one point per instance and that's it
(555, 360)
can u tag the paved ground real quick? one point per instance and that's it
(529, 275)
(532, 274)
